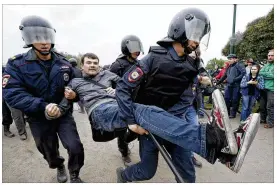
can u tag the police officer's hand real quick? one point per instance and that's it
(138, 129)
(110, 91)
(53, 110)
(69, 93)
(205, 80)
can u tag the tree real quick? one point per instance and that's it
(257, 39)
(211, 64)
(69, 56)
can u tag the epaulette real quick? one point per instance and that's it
(157, 49)
(121, 56)
(16, 57)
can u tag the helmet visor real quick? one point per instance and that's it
(134, 46)
(38, 35)
(199, 31)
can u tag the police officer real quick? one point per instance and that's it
(131, 47)
(167, 77)
(77, 74)
(34, 83)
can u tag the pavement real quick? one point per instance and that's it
(21, 161)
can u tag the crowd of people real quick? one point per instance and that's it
(131, 99)
(249, 83)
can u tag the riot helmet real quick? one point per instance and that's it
(73, 62)
(131, 44)
(189, 24)
(35, 29)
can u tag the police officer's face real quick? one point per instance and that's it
(135, 55)
(42, 46)
(192, 45)
(91, 66)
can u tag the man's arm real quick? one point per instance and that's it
(266, 73)
(116, 68)
(242, 73)
(223, 77)
(130, 80)
(16, 94)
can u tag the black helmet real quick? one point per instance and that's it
(73, 62)
(131, 44)
(35, 29)
(189, 24)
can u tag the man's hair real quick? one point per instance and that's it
(272, 50)
(89, 55)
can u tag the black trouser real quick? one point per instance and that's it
(6, 115)
(263, 103)
(18, 118)
(122, 145)
(46, 139)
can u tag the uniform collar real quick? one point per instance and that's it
(32, 56)
(174, 55)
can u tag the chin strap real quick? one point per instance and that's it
(44, 53)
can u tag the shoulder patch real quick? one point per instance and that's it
(157, 49)
(5, 80)
(135, 75)
(15, 57)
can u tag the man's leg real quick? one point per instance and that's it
(46, 139)
(6, 119)
(190, 116)
(205, 139)
(263, 103)
(183, 161)
(19, 120)
(235, 102)
(146, 168)
(245, 108)
(124, 150)
(270, 110)
(71, 141)
(227, 97)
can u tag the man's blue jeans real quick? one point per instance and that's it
(181, 158)
(191, 137)
(247, 105)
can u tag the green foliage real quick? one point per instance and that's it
(211, 64)
(257, 39)
(69, 56)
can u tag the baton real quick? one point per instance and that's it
(167, 159)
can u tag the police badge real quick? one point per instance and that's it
(135, 75)
(5, 80)
(65, 77)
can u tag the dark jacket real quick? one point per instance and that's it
(234, 75)
(30, 88)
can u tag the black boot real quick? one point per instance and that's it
(215, 141)
(61, 174)
(23, 136)
(7, 131)
(74, 178)
(119, 175)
